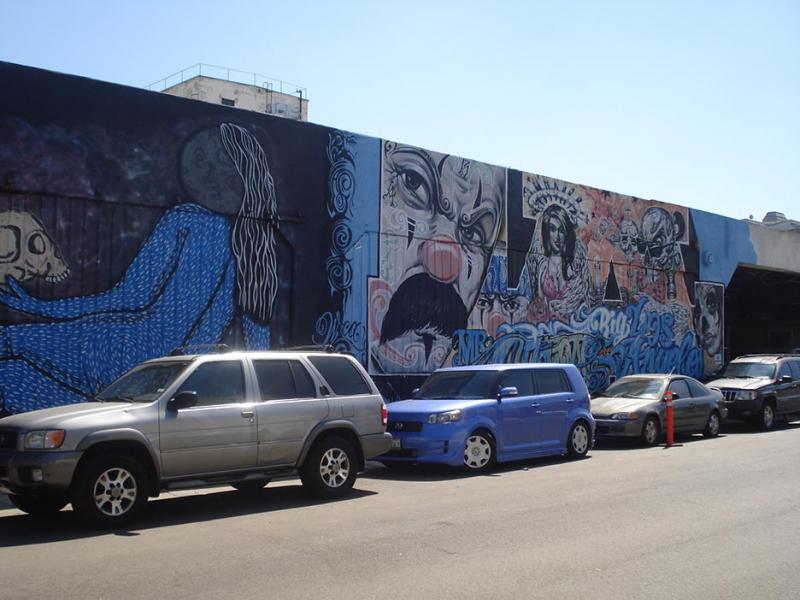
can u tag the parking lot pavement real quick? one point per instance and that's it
(716, 518)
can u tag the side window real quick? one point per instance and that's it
(341, 375)
(305, 385)
(784, 370)
(521, 379)
(698, 389)
(275, 379)
(794, 366)
(551, 381)
(679, 387)
(216, 383)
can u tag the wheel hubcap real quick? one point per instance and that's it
(334, 468)
(477, 452)
(769, 416)
(115, 492)
(580, 439)
(713, 423)
(650, 432)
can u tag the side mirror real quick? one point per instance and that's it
(786, 379)
(507, 392)
(182, 400)
(415, 393)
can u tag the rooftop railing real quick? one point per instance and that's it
(228, 74)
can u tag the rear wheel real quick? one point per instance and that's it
(38, 506)
(479, 452)
(329, 470)
(578, 440)
(651, 431)
(110, 491)
(712, 425)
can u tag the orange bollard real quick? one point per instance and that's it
(670, 419)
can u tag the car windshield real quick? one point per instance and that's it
(459, 385)
(649, 389)
(748, 370)
(142, 384)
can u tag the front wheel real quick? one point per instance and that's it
(650, 431)
(329, 470)
(110, 491)
(38, 506)
(479, 452)
(712, 425)
(578, 440)
(766, 416)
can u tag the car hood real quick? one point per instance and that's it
(422, 406)
(740, 383)
(602, 406)
(64, 417)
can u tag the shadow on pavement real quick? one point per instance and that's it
(19, 529)
(415, 472)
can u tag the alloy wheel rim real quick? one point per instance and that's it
(769, 416)
(713, 423)
(580, 439)
(477, 452)
(115, 492)
(334, 467)
(650, 432)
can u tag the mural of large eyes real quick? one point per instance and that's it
(485, 302)
(37, 244)
(511, 305)
(415, 176)
(476, 228)
(414, 189)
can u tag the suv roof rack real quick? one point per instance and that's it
(193, 348)
(329, 348)
(776, 355)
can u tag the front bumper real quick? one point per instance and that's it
(617, 428)
(19, 471)
(742, 409)
(440, 445)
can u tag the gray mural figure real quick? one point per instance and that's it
(28, 251)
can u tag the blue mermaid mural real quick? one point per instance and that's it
(193, 276)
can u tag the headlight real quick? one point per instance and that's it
(628, 416)
(52, 438)
(745, 395)
(447, 417)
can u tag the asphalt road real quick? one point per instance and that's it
(711, 519)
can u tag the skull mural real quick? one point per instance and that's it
(27, 250)
(660, 235)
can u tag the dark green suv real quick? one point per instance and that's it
(761, 387)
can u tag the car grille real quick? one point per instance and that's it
(8, 440)
(411, 426)
(730, 395)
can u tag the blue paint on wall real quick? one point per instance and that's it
(724, 244)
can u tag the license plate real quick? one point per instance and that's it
(397, 444)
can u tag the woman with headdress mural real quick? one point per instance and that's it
(192, 276)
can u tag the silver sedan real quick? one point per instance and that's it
(633, 407)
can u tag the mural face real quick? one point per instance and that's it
(440, 217)
(709, 321)
(27, 250)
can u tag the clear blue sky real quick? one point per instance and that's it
(696, 103)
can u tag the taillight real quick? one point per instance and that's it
(384, 414)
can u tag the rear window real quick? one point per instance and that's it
(794, 365)
(521, 379)
(283, 379)
(341, 375)
(698, 389)
(551, 381)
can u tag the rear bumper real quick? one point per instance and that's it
(375, 444)
(20, 472)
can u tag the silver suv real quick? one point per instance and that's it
(238, 418)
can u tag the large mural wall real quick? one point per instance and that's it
(132, 223)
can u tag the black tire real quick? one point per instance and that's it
(766, 416)
(712, 425)
(579, 440)
(42, 506)
(480, 452)
(251, 487)
(114, 500)
(651, 431)
(330, 468)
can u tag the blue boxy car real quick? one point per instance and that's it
(477, 416)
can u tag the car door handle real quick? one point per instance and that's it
(570, 400)
(535, 404)
(248, 414)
